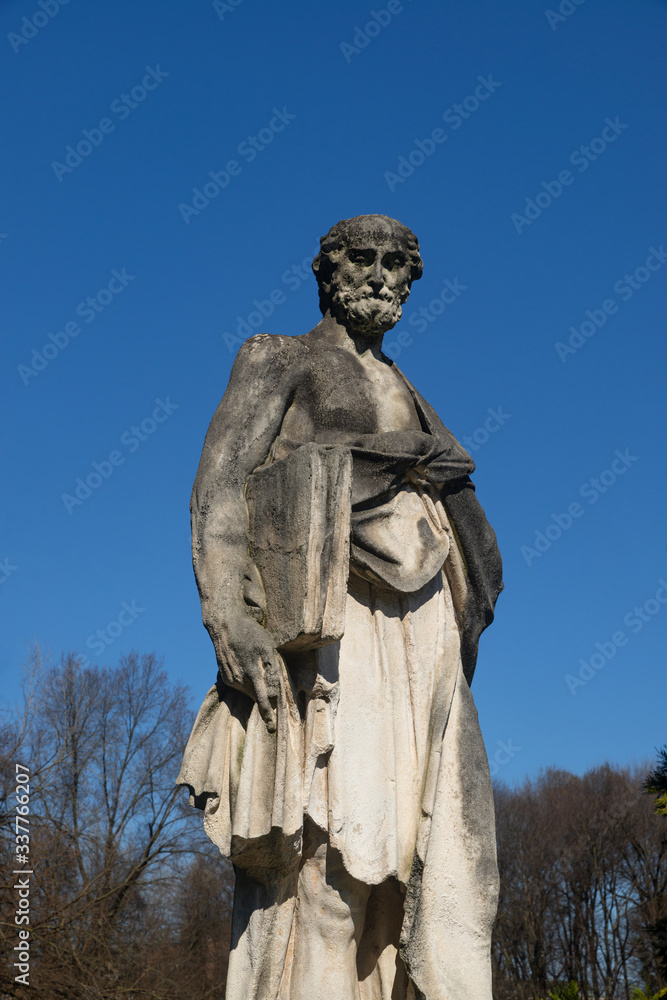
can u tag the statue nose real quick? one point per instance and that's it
(376, 281)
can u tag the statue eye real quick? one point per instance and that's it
(361, 256)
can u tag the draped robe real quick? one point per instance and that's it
(377, 737)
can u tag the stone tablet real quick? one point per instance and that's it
(299, 539)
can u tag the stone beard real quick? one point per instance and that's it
(366, 313)
(346, 571)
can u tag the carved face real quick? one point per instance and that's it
(370, 283)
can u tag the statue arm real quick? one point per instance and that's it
(477, 544)
(239, 438)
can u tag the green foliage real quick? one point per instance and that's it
(565, 991)
(639, 994)
(656, 782)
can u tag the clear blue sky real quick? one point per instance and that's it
(333, 109)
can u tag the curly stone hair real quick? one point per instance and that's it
(344, 233)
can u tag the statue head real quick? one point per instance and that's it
(364, 270)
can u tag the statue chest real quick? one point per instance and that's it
(342, 394)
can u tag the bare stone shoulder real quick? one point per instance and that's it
(269, 363)
(269, 346)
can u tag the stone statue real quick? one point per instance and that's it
(346, 571)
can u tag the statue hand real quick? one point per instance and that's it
(248, 661)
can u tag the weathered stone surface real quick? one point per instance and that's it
(346, 571)
(299, 540)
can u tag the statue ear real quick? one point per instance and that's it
(323, 269)
(417, 267)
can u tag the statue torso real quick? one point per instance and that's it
(337, 393)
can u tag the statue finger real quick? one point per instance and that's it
(263, 704)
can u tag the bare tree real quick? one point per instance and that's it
(583, 864)
(113, 844)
